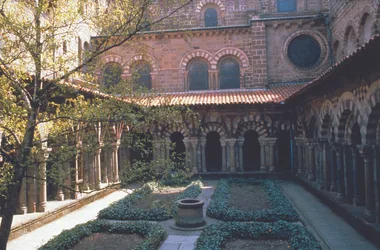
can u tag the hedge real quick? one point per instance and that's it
(124, 209)
(153, 234)
(281, 208)
(215, 236)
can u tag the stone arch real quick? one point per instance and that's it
(111, 59)
(348, 114)
(177, 127)
(204, 2)
(234, 52)
(326, 118)
(149, 59)
(350, 39)
(365, 25)
(246, 126)
(371, 117)
(207, 56)
(214, 127)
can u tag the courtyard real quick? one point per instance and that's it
(240, 214)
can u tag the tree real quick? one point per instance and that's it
(38, 65)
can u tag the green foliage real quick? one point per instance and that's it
(124, 209)
(153, 233)
(281, 209)
(215, 236)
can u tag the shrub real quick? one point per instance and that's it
(281, 208)
(153, 233)
(215, 236)
(124, 209)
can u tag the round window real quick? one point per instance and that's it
(304, 51)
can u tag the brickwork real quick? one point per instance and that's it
(352, 24)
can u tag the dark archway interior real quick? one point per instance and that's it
(142, 147)
(213, 152)
(356, 139)
(178, 151)
(283, 146)
(251, 151)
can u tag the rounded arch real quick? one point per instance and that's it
(241, 57)
(111, 59)
(365, 26)
(370, 120)
(261, 130)
(326, 118)
(177, 127)
(207, 56)
(204, 2)
(214, 127)
(350, 38)
(134, 59)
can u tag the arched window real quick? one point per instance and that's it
(229, 74)
(141, 73)
(198, 75)
(286, 5)
(211, 17)
(112, 74)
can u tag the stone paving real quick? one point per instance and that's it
(40, 236)
(333, 231)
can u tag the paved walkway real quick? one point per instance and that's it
(185, 240)
(334, 232)
(40, 236)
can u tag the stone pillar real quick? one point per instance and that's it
(223, 144)
(59, 195)
(348, 175)
(109, 161)
(203, 153)
(195, 164)
(22, 208)
(231, 150)
(263, 143)
(188, 153)
(311, 173)
(319, 165)
(115, 161)
(340, 172)
(358, 199)
(240, 142)
(271, 144)
(98, 167)
(31, 188)
(42, 195)
(333, 186)
(367, 153)
(300, 159)
(325, 164)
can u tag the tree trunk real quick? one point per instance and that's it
(9, 210)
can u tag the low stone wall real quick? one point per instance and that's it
(55, 214)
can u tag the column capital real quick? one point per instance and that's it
(270, 141)
(202, 140)
(222, 142)
(231, 140)
(366, 151)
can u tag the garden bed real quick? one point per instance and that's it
(150, 203)
(269, 205)
(145, 235)
(222, 235)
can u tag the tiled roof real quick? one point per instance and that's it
(277, 93)
(362, 55)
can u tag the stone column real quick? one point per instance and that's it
(240, 142)
(98, 167)
(340, 172)
(358, 199)
(203, 154)
(188, 153)
(333, 187)
(271, 144)
(325, 164)
(42, 196)
(22, 208)
(31, 188)
(59, 195)
(263, 143)
(319, 165)
(367, 153)
(348, 175)
(115, 161)
(311, 173)
(195, 165)
(231, 150)
(300, 160)
(223, 144)
(109, 160)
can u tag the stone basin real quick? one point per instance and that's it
(190, 214)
